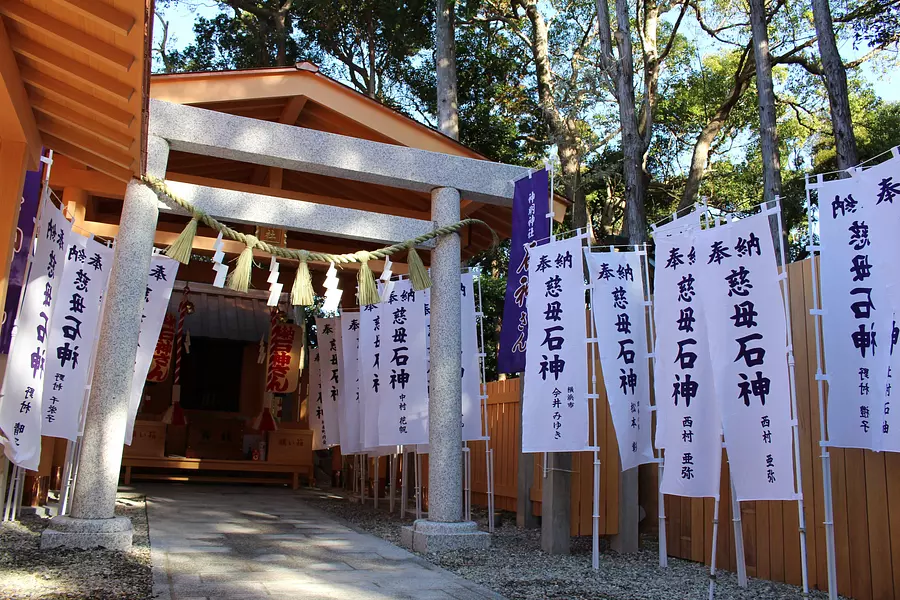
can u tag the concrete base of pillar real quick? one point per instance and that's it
(430, 536)
(627, 540)
(112, 534)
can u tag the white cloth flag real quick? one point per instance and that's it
(738, 287)
(555, 406)
(471, 371)
(369, 359)
(23, 385)
(351, 441)
(620, 317)
(879, 187)
(688, 423)
(159, 289)
(74, 326)
(403, 380)
(856, 319)
(327, 332)
(315, 409)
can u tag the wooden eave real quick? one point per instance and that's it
(81, 67)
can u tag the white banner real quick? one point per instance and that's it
(403, 386)
(75, 327)
(471, 364)
(369, 361)
(856, 319)
(738, 287)
(555, 405)
(327, 332)
(156, 300)
(351, 441)
(620, 318)
(688, 423)
(879, 188)
(315, 409)
(23, 385)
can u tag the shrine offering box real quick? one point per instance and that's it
(290, 446)
(149, 439)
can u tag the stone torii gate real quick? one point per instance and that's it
(178, 127)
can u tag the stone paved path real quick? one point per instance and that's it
(233, 542)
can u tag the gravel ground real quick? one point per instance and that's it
(26, 571)
(516, 567)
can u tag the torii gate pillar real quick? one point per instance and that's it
(444, 528)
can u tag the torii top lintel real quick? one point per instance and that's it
(205, 132)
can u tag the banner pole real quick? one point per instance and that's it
(10, 492)
(483, 397)
(740, 555)
(404, 482)
(661, 509)
(4, 474)
(594, 358)
(393, 480)
(418, 485)
(816, 312)
(795, 423)
(712, 561)
(375, 480)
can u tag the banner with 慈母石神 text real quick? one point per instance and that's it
(21, 408)
(555, 405)
(739, 288)
(619, 312)
(315, 408)
(327, 335)
(370, 349)
(688, 424)
(160, 281)
(856, 314)
(351, 438)
(73, 335)
(402, 389)
(878, 187)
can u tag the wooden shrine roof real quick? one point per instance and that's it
(74, 79)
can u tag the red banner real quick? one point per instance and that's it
(283, 368)
(162, 356)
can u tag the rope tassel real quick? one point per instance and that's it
(181, 249)
(418, 274)
(368, 292)
(239, 279)
(302, 291)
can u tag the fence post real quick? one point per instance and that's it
(525, 517)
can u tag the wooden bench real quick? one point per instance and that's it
(190, 469)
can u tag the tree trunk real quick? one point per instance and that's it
(768, 133)
(371, 83)
(700, 157)
(445, 63)
(836, 84)
(280, 39)
(570, 164)
(632, 144)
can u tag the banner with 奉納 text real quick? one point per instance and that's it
(327, 332)
(879, 188)
(21, 413)
(283, 355)
(73, 335)
(315, 408)
(554, 403)
(530, 226)
(156, 301)
(370, 330)
(688, 426)
(856, 314)
(351, 436)
(403, 380)
(165, 348)
(618, 310)
(471, 363)
(739, 288)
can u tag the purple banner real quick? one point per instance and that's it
(529, 225)
(31, 193)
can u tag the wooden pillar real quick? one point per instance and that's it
(13, 164)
